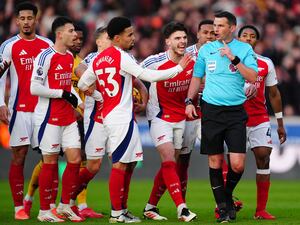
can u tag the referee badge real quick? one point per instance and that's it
(211, 66)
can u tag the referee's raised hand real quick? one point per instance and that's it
(225, 50)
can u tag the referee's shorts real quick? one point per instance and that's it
(223, 123)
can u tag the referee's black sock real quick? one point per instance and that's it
(232, 180)
(217, 186)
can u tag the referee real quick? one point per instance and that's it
(226, 63)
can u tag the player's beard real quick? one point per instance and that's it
(27, 33)
(179, 52)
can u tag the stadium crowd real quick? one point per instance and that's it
(278, 22)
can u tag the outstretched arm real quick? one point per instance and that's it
(131, 67)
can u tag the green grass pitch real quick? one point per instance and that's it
(284, 203)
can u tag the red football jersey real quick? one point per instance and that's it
(166, 98)
(256, 107)
(54, 71)
(21, 53)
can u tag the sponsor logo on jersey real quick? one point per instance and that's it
(22, 139)
(23, 52)
(212, 53)
(211, 66)
(59, 67)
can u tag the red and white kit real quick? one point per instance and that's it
(258, 125)
(166, 107)
(54, 118)
(21, 53)
(110, 68)
(95, 135)
(114, 68)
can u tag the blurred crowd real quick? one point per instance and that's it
(277, 20)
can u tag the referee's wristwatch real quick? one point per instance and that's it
(188, 101)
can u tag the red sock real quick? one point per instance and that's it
(46, 184)
(172, 181)
(85, 176)
(128, 175)
(16, 182)
(182, 171)
(54, 186)
(116, 188)
(158, 188)
(69, 182)
(262, 194)
(225, 171)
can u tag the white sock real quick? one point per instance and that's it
(17, 208)
(72, 202)
(52, 206)
(180, 207)
(116, 213)
(149, 206)
(82, 206)
(43, 212)
(62, 205)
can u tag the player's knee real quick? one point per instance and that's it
(18, 159)
(263, 162)
(237, 167)
(215, 161)
(75, 160)
(94, 168)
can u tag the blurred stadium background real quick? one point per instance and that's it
(277, 20)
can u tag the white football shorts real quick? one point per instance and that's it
(52, 138)
(21, 129)
(259, 135)
(164, 132)
(95, 141)
(124, 142)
